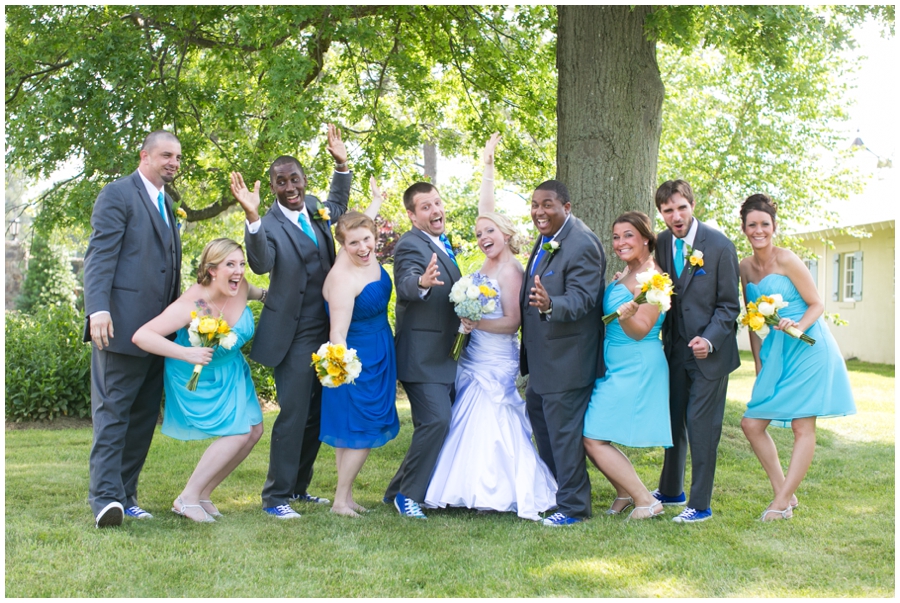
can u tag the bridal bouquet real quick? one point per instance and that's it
(764, 312)
(336, 364)
(473, 296)
(208, 332)
(656, 289)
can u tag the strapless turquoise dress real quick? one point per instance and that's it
(630, 404)
(363, 414)
(225, 401)
(797, 380)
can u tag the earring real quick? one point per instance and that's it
(214, 278)
(645, 243)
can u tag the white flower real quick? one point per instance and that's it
(323, 350)
(193, 337)
(655, 296)
(763, 332)
(697, 254)
(666, 304)
(490, 306)
(228, 341)
(554, 245)
(778, 301)
(643, 277)
(458, 291)
(473, 292)
(766, 309)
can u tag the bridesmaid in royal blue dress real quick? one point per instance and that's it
(795, 382)
(363, 415)
(630, 404)
(224, 404)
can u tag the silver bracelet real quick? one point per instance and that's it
(263, 295)
(486, 178)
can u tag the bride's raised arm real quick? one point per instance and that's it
(378, 197)
(486, 199)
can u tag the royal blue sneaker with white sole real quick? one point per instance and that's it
(282, 512)
(670, 501)
(560, 519)
(310, 499)
(137, 513)
(690, 515)
(408, 507)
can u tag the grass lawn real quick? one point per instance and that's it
(839, 543)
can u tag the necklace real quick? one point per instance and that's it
(214, 306)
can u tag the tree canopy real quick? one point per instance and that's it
(751, 93)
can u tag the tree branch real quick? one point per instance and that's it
(28, 76)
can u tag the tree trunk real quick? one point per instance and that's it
(609, 113)
(429, 149)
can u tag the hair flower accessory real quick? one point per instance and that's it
(550, 247)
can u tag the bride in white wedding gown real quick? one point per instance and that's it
(488, 461)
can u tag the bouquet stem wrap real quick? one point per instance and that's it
(457, 348)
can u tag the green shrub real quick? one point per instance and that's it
(48, 367)
(49, 280)
(263, 376)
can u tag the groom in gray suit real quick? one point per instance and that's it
(424, 271)
(562, 342)
(699, 336)
(132, 271)
(293, 243)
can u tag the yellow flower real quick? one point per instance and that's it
(208, 324)
(316, 358)
(223, 327)
(487, 291)
(695, 261)
(323, 213)
(193, 315)
(764, 298)
(181, 213)
(333, 369)
(756, 321)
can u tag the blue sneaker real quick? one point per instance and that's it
(670, 501)
(282, 512)
(690, 515)
(137, 513)
(408, 507)
(310, 499)
(559, 519)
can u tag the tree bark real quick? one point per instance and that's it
(609, 114)
(429, 150)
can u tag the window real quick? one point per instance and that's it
(852, 285)
(813, 267)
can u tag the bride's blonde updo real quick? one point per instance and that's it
(506, 226)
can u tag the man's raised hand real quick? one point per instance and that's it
(249, 200)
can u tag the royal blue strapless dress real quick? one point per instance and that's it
(363, 414)
(225, 401)
(630, 404)
(797, 380)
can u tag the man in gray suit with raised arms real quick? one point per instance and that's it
(293, 243)
(132, 271)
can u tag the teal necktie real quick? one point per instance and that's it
(540, 253)
(307, 228)
(161, 201)
(679, 257)
(448, 247)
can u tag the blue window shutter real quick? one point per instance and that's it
(813, 266)
(836, 277)
(857, 275)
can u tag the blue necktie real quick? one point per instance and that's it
(679, 257)
(447, 246)
(307, 228)
(540, 253)
(161, 201)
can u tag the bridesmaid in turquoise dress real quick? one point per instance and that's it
(795, 382)
(363, 415)
(224, 404)
(630, 404)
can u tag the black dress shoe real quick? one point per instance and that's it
(111, 515)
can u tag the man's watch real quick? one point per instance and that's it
(549, 310)
(341, 167)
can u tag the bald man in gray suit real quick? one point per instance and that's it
(132, 271)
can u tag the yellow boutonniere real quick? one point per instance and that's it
(180, 213)
(322, 214)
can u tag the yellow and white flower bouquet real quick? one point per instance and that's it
(208, 332)
(656, 289)
(336, 364)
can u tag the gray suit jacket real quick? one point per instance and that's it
(279, 248)
(132, 267)
(706, 301)
(566, 351)
(424, 328)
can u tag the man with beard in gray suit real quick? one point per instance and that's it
(132, 272)
(699, 337)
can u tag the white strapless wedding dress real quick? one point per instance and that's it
(488, 461)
